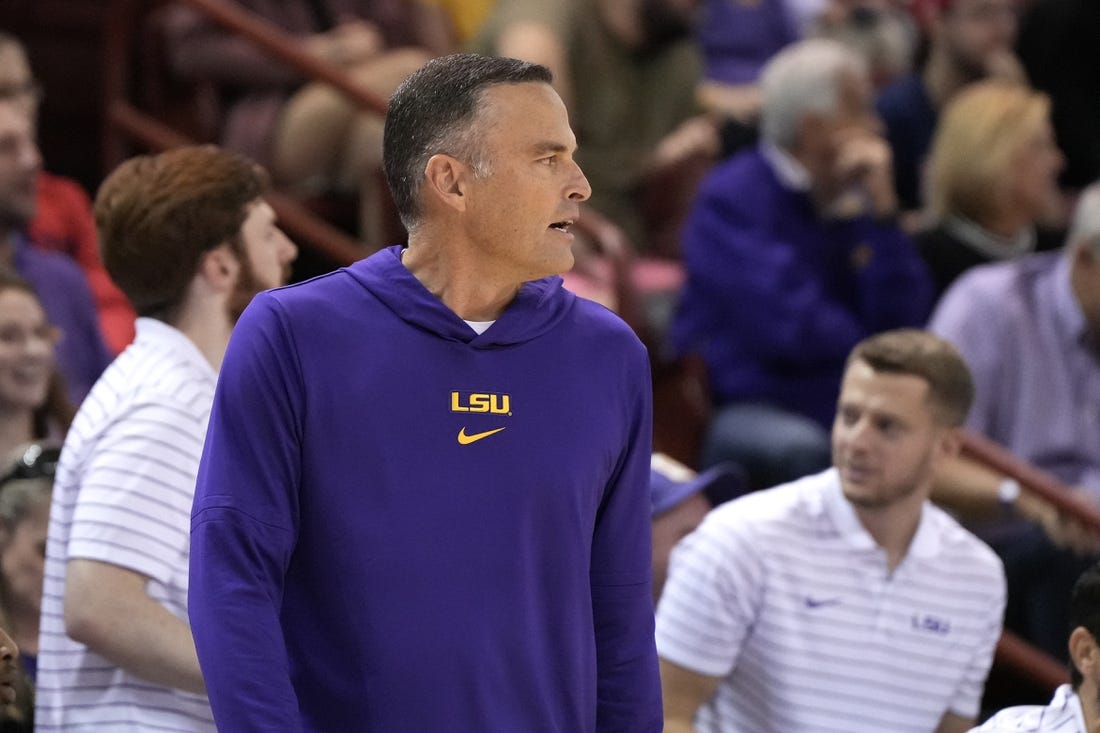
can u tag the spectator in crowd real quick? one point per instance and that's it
(844, 601)
(25, 488)
(1076, 706)
(34, 405)
(627, 70)
(792, 257)
(189, 238)
(62, 212)
(1028, 329)
(679, 499)
(881, 31)
(968, 40)
(355, 565)
(310, 135)
(58, 281)
(738, 38)
(992, 180)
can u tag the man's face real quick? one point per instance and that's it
(824, 138)
(19, 165)
(267, 254)
(519, 213)
(886, 439)
(974, 32)
(16, 77)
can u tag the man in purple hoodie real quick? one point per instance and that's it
(424, 502)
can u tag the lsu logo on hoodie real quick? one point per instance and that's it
(493, 403)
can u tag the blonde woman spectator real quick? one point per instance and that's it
(992, 180)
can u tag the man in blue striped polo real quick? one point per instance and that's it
(843, 601)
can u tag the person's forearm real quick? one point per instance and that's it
(967, 487)
(107, 610)
(157, 648)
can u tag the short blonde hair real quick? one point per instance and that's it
(978, 139)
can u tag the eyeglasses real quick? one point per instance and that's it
(38, 461)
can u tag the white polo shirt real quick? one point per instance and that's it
(1062, 715)
(786, 596)
(123, 495)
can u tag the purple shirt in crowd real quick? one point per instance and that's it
(1037, 378)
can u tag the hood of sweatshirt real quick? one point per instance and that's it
(538, 307)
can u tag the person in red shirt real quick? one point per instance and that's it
(63, 215)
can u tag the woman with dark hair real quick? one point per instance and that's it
(34, 415)
(33, 401)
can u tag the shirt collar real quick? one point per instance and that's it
(987, 243)
(925, 543)
(1067, 311)
(161, 334)
(791, 174)
(1067, 703)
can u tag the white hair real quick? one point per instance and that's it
(804, 78)
(1084, 230)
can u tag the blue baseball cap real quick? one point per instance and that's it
(670, 482)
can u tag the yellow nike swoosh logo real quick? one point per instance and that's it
(464, 439)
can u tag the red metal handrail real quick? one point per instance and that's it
(285, 47)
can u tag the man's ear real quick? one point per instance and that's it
(445, 180)
(1084, 653)
(219, 267)
(1084, 257)
(951, 442)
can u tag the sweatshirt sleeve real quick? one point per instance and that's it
(244, 527)
(628, 686)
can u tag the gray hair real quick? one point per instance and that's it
(1084, 230)
(803, 79)
(18, 495)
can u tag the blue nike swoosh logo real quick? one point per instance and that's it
(819, 602)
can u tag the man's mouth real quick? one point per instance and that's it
(562, 226)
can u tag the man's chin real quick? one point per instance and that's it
(861, 496)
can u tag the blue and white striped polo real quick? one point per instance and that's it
(786, 597)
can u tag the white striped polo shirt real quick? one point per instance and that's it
(123, 495)
(1062, 715)
(785, 596)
